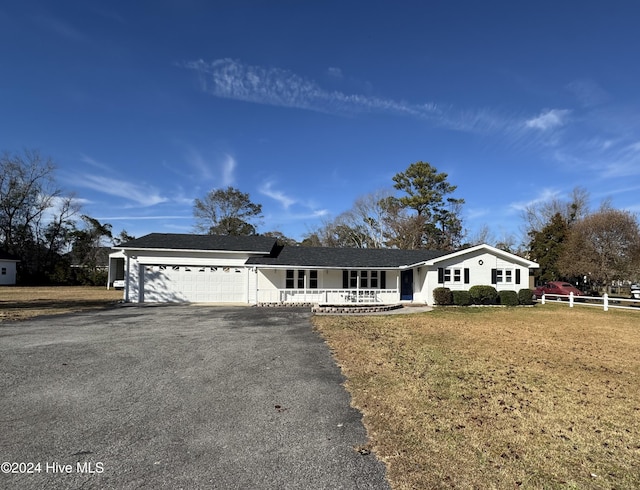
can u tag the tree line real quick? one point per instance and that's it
(570, 242)
(46, 230)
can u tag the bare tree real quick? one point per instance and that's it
(36, 220)
(483, 235)
(27, 191)
(538, 215)
(605, 246)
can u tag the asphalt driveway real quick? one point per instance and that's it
(177, 397)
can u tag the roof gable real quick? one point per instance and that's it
(484, 247)
(180, 241)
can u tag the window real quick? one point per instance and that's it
(4, 271)
(503, 276)
(453, 275)
(364, 279)
(353, 279)
(295, 279)
(368, 279)
(313, 279)
(374, 279)
(289, 280)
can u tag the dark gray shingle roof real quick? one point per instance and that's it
(7, 256)
(178, 241)
(345, 257)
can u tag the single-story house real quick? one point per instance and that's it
(8, 268)
(256, 270)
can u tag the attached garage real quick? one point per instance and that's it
(194, 284)
(161, 268)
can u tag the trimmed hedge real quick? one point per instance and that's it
(483, 295)
(508, 298)
(442, 296)
(461, 298)
(525, 297)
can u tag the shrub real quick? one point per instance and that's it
(442, 296)
(508, 298)
(525, 297)
(461, 298)
(483, 295)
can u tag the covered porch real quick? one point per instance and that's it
(329, 286)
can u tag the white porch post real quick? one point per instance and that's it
(127, 275)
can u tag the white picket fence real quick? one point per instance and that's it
(604, 301)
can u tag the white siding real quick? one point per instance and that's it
(480, 264)
(8, 278)
(197, 277)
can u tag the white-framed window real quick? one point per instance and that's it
(295, 279)
(452, 275)
(504, 276)
(368, 279)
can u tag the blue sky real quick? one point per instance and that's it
(306, 106)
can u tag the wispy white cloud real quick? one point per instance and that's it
(203, 168)
(268, 190)
(94, 163)
(545, 195)
(142, 195)
(228, 170)
(588, 92)
(475, 213)
(216, 171)
(231, 79)
(335, 72)
(549, 119)
(624, 163)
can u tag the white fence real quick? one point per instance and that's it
(329, 296)
(604, 301)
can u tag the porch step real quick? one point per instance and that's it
(352, 309)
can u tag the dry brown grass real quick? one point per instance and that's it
(544, 397)
(20, 303)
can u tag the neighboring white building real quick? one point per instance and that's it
(255, 270)
(8, 269)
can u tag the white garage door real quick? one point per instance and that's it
(194, 284)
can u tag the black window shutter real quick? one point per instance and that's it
(383, 279)
(345, 279)
(440, 275)
(466, 275)
(494, 276)
(517, 276)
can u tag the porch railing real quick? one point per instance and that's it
(329, 296)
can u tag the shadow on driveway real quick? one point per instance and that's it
(177, 397)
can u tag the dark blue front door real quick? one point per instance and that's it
(406, 285)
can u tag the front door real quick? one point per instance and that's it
(406, 285)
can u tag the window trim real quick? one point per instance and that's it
(504, 275)
(364, 279)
